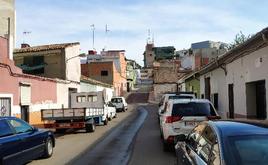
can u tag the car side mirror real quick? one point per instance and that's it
(35, 129)
(162, 111)
(159, 104)
(180, 138)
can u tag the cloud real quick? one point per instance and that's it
(175, 23)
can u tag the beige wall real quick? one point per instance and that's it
(244, 70)
(218, 85)
(63, 93)
(73, 67)
(250, 68)
(7, 10)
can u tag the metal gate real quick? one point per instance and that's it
(5, 106)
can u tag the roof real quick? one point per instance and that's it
(240, 127)
(190, 100)
(95, 82)
(45, 47)
(7, 117)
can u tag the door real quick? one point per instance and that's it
(25, 113)
(207, 88)
(32, 144)
(70, 91)
(261, 100)
(10, 151)
(5, 106)
(231, 100)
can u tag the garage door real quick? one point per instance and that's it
(5, 106)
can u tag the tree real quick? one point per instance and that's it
(239, 39)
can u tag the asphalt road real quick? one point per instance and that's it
(71, 145)
(147, 147)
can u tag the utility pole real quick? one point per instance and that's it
(8, 37)
(93, 36)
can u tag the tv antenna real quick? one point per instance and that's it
(106, 36)
(93, 36)
(25, 33)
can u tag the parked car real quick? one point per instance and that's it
(177, 95)
(111, 109)
(224, 143)
(21, 143)
(120, 103)
(181, 116)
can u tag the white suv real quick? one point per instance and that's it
(172, 96)
(182, 115)
(120, 103)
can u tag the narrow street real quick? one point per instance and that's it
(148, 147)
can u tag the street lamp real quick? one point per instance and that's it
(79, 55)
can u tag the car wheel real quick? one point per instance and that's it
(48, 148)
(105, 122)
(60, 131)
(90, 127)
(166, 147)
(115, 115)
(123, 109)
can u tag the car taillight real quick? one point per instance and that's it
(213, 117)
(171, 119)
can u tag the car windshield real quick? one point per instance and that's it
(246, 150)
(180, 97)
(193, 109)
(116, 100)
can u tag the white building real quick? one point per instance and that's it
(237, 81)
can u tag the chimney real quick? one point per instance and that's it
(24, 45)
(92, 52)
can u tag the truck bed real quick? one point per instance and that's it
(70, 113)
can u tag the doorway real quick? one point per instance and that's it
(25, 113)
(207, 88)
(256, 99)
(231, 100)
(70, 91)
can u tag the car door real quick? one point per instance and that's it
(32, 140)
(10, 152)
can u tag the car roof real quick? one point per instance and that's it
(176, 101)
(7, 117)
(240, 127)
(117, 97)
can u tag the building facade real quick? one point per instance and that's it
(237, 81)
(54, 61)
(8, 24)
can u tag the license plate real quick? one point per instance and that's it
(64, 125)
(191, 123)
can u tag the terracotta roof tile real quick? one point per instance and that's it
(45, 47)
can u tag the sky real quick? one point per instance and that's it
(171, 22)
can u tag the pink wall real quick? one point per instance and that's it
(42, 89)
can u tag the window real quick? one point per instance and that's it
(81, 99)
(5, 129)
(104, 73)
(20, 126)
(33, 65)
(193, 109)
(92, 98)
